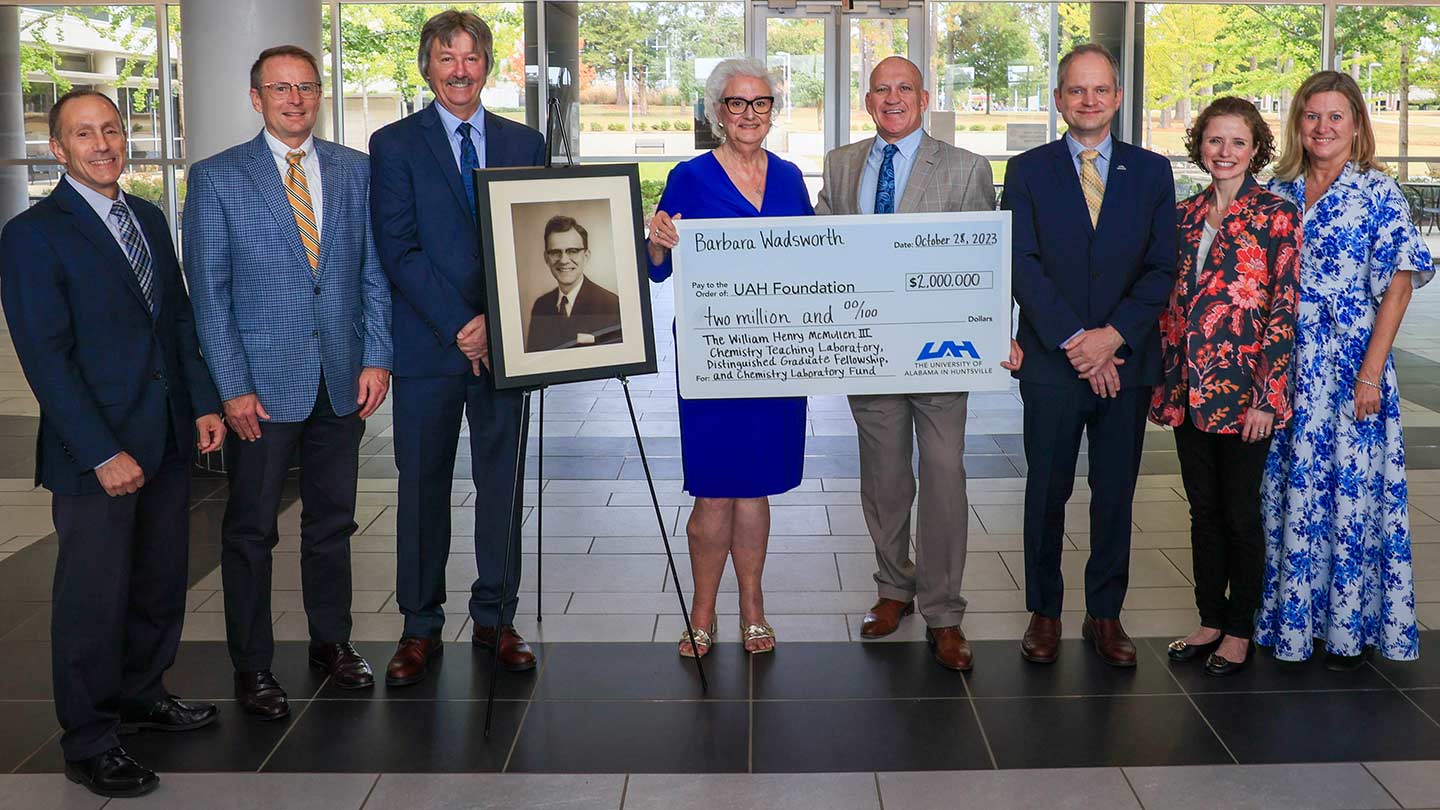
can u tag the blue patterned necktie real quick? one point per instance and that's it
(135, 249)
(469, 162)
(885, 189)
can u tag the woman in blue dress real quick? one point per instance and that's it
(736, 452)
(1337, 561)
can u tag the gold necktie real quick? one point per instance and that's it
(1091, 184)
(299, 194)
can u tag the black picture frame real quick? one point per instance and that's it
(513, 206)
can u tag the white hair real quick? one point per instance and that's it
(721, 76)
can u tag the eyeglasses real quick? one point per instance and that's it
(760, 104)
(553, 254)
(282, 89)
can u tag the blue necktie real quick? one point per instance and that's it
(469, 162)
(885, 189)
(135, 249)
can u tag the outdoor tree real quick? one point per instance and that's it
(990, 38)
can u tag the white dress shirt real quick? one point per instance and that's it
(310, 163)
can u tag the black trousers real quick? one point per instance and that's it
(1222, 475)
(329, 450)
(1055, 417)
(118, 602)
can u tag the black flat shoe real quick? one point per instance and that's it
(113, 774)
(169, 714)
(1346, 663)
(1180, 652)
(1221, 667)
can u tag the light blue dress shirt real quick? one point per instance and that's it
(1102, 163)
(903, 161)
(102, 206)
(477, 132)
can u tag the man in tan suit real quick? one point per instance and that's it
(903, 170)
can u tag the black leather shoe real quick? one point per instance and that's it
(345, 667)
(1346, 663)
(169, 714)
(1221, 667)
(260, 694)
(113, 774)
(1180, 652)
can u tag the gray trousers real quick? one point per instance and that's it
(886, 424)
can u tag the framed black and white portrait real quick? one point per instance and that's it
(565, 274)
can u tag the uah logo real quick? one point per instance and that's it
(948, 348)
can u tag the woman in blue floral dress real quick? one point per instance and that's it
(1337, 561)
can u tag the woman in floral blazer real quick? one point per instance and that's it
(1226, 338)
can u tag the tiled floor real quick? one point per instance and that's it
(613, 718)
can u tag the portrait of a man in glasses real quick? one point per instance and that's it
(578, 311)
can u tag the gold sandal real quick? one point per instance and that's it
(703, 640)
(756, 632)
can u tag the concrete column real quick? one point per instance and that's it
(221, 40)
(1107, 27)
(14, 180)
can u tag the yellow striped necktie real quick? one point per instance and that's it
(298, 193)
(1091, 184)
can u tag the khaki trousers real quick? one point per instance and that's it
(886, 424)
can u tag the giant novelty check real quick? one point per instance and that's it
(792, 306)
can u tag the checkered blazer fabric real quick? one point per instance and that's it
(943, 178)
(266, 325)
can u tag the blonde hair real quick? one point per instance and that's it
(1293, 159)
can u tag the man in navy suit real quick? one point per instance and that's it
(294, 318)
(578, 312)
(1094, 260)
(422, 201)
(104, 332)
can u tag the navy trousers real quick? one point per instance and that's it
(1055, 418)
(427, 413)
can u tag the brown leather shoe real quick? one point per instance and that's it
(1041, 643)
(514, 654)
(345, 667)
(884, 617)
(951, 649)
(260, 694)
(1111, 643)
(411, 661)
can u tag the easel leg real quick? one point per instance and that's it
(517, 492)
(540, 516)
(664, 536)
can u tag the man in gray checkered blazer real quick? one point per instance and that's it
(904, 170)
(293, 312)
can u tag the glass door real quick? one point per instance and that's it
(822, 52)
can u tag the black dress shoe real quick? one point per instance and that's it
(169, 714)
(260, 694)
(1220, 667)
(113, 774)
(1180, 652)
(1347, 663)
(345, 667)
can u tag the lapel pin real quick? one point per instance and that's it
(1120, 167)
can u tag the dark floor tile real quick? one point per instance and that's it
(26, 672)
(1265, 674)
(1422, 437)
(1321, 726)
(990, 467)
(582, 446)
(827, 671)
(205, 538)
(578, 468)
(13, 614)
(23, 426)
(1423, 458)
(1428, 700)
(867, 735)
(1001, 672)
(461, 673)
(379, 467)
(234, 742)
(411, 736)
(29, 574)
(203, 671)
(846, 465)
(1160, 463)
(641, 672)
(1422, 672)
(633, 736)
(35, 627)
(18, 449)
(1098, 732)
(27, 725)
(663, 468)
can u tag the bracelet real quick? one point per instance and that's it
(1364, 381)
